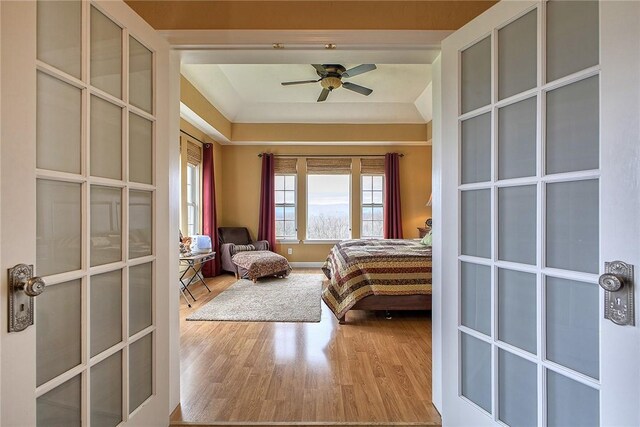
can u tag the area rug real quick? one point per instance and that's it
(294, 299)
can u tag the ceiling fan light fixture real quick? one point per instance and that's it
(331, 83)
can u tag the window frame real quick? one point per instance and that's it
(372, 205)
(350, 210)
(196, 194)
(285, 205)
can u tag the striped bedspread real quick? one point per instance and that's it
(359, 268)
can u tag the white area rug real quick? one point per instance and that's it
(294, 299)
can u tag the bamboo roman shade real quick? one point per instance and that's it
(372, 165)
(194, 153)
(329, 166)
(286, 165)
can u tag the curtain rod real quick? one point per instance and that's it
(188, 134)
(329, 155)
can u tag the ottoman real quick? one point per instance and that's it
(256, 264)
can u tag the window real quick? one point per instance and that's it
(193, 199)
(372, 207)
(328, 207)
(285, 188)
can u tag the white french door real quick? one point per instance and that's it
(539, 188)
(85, 201)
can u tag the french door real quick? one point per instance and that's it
(539, 152)
(84, 200)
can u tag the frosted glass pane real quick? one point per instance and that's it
(475, 286)
(573, 129)
(572, 225)
(58, 125)
(60, 406)
(572, 37)
(59, 35)
(106, 54)
(570, 403)
(106, 225)
(140, 294)
(106, 139)
(140, 149)
(476, 223)
(517, 309)
(476, 75)
(572, 325)
(517, 390)
(517, 224)
(517, 54)
(476, 149)
(517, 140)
(140, 75)
(140, 223)
(476, 371)
(106, 392)
(106, 311)
(58, 330)
(140, 371)
(58, 228)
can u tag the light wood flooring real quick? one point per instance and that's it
(371, 371)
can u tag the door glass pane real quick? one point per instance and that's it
(572, 37)
(140, 75)
(517, 309)
(140, 223)
(476, 371)
(106, 392)
(476, 297)
(517, 140)
(106, 311)
(572, 325)
(570, 403)
(517, 224)
(573, 129)
(476, 149)
(517, 54)
(106, 139)
(517, 390)
(140, 149)
(106, 228)
(58, 324)
(60, 406)
(572, 225)
(106, 54)
(58, 125)
(476, 75)
(59, 35)
(140, 371)
(58, 228)
(140, 294)
(476, 223)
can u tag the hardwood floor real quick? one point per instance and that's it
(371, 371)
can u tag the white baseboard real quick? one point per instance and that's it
(306, 264)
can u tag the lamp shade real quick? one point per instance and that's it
(430, 200)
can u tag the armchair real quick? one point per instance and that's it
(233, 240)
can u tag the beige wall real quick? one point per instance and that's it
(240, 187)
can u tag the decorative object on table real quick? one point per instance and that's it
(185, 245)
(200, 244)
(294, 299)
(429, 222)
(422, 231)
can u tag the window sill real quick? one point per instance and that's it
(322, 242)
(288, 241)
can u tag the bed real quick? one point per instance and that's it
(377, 274)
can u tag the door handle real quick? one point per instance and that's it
(23, 288)
(617, 282)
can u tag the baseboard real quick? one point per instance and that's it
(306, 264)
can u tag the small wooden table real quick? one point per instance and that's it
(193, 263)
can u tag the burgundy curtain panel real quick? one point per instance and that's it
(392, 208)
(267, 224)
(209, 226)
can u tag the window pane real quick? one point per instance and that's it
(378, 228)
(290, 214)
(517, 224)
(377, 183)
(106, 392)
(476, 371)
(59, 34)
(279, 228)
(328, 207)
(367, 213)
(106, 237)
(476, 149)
(279, 213)
(367, 228)
(140, 75)
(140, 221)
(279, 196)
(570, 403)
(140, 149)
(279, 182)
(367, 198)
(106, 54)
(517, 52)
(517, 140)
(476, 223)
(290, 182)
(140, 294)
(61, 406)
(106, 311)
(475, 289)
(289, 197)
(140, 371)
(367, 182)
(377, 197)
(290, 229)
(518, 390)
(106, 139)
(517, 309)
(378, 213)
(476, 75)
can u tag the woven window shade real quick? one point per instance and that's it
(286, 165)
(329, 166)
(372, 165)
(194, 153)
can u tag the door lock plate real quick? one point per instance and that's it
(20, 304)
(617, 282)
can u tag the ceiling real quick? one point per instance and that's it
(252, 93)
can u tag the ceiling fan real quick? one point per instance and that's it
(331, 76)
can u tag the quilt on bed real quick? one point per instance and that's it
(359, 268)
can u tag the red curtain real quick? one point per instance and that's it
(267, 224)
(209, 226)
(392, 208)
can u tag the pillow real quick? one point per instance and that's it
(427, 239)
(242, 248)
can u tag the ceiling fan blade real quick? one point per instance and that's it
(323, 95)
(357, 88)
(301, 82)
(320, 68)
(360, 69)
